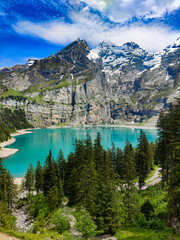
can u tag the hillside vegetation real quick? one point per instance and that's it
(96, 191)
(10, 121)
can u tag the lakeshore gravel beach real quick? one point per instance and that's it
(6, 152)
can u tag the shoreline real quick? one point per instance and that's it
(6, 152)
(104, 125)
(128, 126)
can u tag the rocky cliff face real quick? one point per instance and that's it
(78, 86)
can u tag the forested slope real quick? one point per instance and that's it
(97, 187)
(10, 121)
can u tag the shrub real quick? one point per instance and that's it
(6, 220)
(61, 85)
(61, 221)
(21, 203)
(39, 206)
(155, 224)
(36, 227)
(67, 236)
(147, 209)
(163, 215)
(142, 222)
(85, 224)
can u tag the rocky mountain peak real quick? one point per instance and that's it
(130, 45)
(31, 61)
(176, 44)
(171, 54)
(75, 53)
(80, 46)
(107, 84)
(106, 44)
(113, 57)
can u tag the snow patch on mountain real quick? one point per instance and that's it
(113, 55)
(114, 58)
(173, 47)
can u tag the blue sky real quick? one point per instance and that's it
(38, 28)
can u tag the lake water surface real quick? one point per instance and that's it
(35, 146)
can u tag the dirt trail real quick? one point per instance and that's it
(155, 175)
(4, 236)
(105, 237)
(155, 179)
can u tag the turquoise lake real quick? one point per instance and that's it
(35, 146)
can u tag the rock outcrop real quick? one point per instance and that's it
(79, 86)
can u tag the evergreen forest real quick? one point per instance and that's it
(10, 121)
(97, 192)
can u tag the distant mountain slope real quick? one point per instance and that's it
(108, 84)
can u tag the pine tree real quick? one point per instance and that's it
(39, 177)
(8, 191)
(48, 178)
(168, 141)
(174, 135)
(114, 157)
(86, 186)
(169, 158)
(162, 158)
(52, 181)
(30, 179)
(70, 187)
(61, 161)
(52, 198)
(144, 158)
(90, 182)
(164, 146)
(98, 151)
(11, 190)
(106, 215)
(75, 165)
(128, 174)
(119, 156)
(3, 185)
(57, 181)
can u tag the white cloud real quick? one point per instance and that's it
(122, 10)
(94, 30)
(55, 32)
(158, 7)
(98, 4)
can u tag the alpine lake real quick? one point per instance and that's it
(36, 145)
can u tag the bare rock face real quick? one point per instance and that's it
(79, 86)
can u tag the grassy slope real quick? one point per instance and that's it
(157, 197)
(146, 234)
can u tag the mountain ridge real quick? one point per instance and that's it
(108, 84)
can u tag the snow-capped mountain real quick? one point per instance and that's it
(113, 56)
(107, 84)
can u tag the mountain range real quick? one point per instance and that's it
(82, 86)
